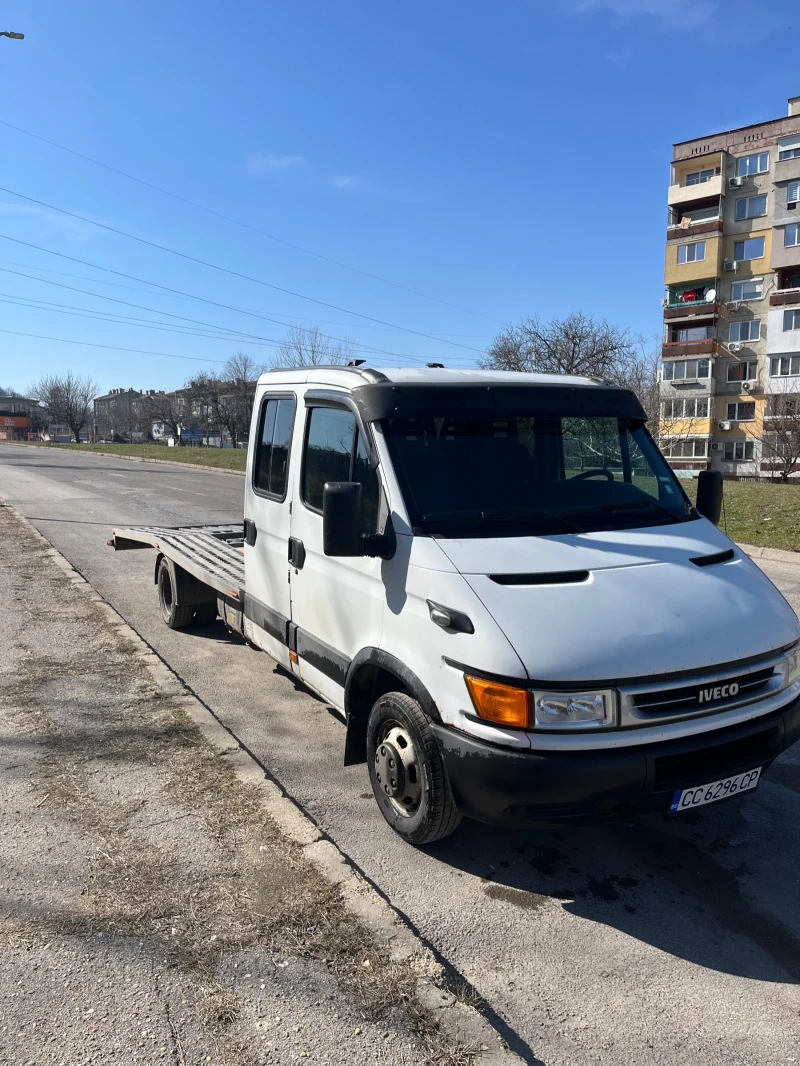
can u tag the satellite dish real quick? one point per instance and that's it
(711, 296)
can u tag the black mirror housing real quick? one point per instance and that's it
(709, 495)
(341, 519)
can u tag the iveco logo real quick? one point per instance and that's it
(720, 692)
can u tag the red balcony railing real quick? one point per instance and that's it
(783, 297)
(686, 348)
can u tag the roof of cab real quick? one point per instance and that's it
(354, 376)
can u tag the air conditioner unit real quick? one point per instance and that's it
(734, 346)
(746, 386)
(734, 305)
(735, 183)
(724, 425)
(730, 264)
(716, 446)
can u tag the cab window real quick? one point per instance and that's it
(335, 451)
(274, 438)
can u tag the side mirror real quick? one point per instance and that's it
(709, 495)
(341, 519)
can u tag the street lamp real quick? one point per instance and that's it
(12, 35)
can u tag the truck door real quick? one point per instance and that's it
(267, 516)
(337, 604)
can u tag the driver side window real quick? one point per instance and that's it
(335, 451)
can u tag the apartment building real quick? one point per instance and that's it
(122, 414)
(731, 350)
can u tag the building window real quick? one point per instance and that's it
(751, 207)
(685, 449)
(691, 253)
(747, 370)
(782, 407)
(699, 177)
(741, 412)
(791, 235)
(791, 320)
(793, 191)
(789, 152)
(785, 366)
(747, 290)
(694, 333)
(686, 369)
(742, 332)
(752, 248)
(738, 451)
(696, 407)
(752, 164)
(701, 214)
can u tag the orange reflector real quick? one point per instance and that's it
(293, 657)
(499, 703)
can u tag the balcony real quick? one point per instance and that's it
(683, 193)
(784, 297)
(694, 229)
(683, 349)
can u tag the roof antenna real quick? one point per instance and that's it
(435, 366)
(356, 362)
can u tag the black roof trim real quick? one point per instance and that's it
(495, 401)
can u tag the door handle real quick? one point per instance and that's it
(250, 532)
(297, 552)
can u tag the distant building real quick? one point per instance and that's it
(732, 305)
(17, 417)
(122, 414)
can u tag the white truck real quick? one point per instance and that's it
(499, 581)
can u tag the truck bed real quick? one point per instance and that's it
(212, 554)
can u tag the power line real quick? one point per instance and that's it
(110, 347)
(175, 296)
(246, 225)
(233, 273)
(179, 292)
(198, 322)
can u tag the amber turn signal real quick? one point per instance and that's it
(502, 704)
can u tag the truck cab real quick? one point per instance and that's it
(500, 583)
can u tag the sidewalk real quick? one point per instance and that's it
(150, 910)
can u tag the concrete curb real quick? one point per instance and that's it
(777, 555)
(138, 459)
(364, 902)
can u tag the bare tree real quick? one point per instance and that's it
(67, 398)
(309, 346)
(780, 443)
(226, 400)
(170, 409)
(577, 344)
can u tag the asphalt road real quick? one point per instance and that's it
(657, 943)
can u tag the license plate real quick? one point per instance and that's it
(689, 799)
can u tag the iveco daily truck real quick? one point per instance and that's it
(500, 582)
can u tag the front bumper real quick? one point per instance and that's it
(537, 788)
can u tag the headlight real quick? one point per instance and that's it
(575, 710)
(792, 665)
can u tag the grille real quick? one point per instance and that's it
(687, 697)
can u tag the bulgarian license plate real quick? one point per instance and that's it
(689, 799)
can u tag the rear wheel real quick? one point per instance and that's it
(406, 771)
(176, 616)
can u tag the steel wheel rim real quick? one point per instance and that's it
(397, 771)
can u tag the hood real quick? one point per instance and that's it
(645, 608)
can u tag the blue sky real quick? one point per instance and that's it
(506, 157)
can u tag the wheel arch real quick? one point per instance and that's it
(372, 673)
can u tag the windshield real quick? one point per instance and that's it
(532, 476)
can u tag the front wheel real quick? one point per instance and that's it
(406, 771)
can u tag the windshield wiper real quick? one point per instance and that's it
(633, 505)
(520, 514)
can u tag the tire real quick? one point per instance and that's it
(205, 614)
(175, 616)
(406, 771)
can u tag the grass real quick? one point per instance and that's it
(218, 458)
(764, 515)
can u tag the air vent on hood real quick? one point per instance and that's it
(712, 560)
(559, 577)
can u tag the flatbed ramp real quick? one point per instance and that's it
(212, 554)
